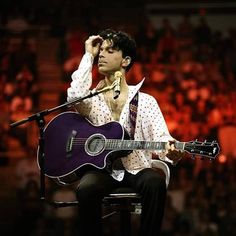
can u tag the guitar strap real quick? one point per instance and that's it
(133, 109)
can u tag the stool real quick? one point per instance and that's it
(122, 200)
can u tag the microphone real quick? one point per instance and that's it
(116, 91)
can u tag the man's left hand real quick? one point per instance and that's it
(174, 154)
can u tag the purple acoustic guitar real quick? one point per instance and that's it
(72, 143)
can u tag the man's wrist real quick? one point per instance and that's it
(89, 54)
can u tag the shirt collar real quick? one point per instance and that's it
(133, 89)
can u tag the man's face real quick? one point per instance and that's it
(110, 60)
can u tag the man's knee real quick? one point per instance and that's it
(154, 181)
(89, 191)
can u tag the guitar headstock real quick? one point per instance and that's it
(204, 149)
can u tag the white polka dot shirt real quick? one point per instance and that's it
(150, 123)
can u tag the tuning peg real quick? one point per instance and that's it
(194, 141)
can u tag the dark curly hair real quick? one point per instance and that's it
(121, 41)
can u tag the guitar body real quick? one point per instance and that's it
(73, 145)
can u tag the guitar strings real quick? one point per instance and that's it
(113, 143)
(83, 140)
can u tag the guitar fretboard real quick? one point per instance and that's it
(116, 144)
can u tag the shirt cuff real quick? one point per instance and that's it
(90, 55)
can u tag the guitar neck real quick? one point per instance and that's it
(116, 144)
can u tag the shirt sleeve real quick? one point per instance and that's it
(154, 125)
(81, 83)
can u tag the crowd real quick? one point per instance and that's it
(191, 70)
(18, 85)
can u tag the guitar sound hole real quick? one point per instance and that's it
(95, 144)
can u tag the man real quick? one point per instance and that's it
(116, 52)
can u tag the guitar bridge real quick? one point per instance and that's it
(69, 145)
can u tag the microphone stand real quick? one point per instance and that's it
(39, 118)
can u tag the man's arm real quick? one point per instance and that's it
(157, 130)
(82, 77)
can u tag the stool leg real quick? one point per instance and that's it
(125, 221)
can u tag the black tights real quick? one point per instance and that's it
(94, 185)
